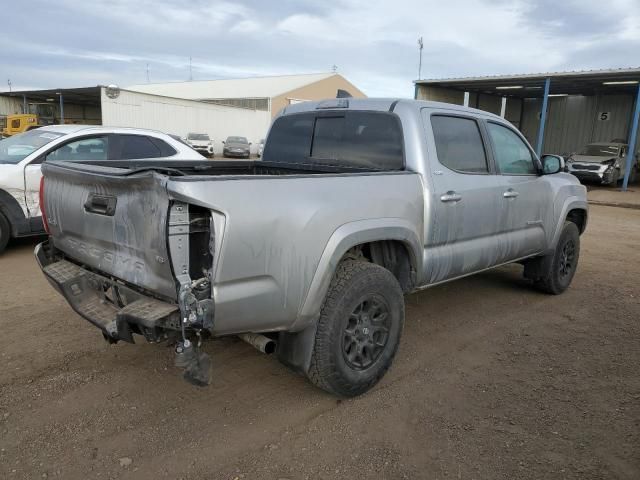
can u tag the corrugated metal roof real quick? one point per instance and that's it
(610, 72)
(253, 87)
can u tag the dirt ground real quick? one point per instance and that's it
(492, 380)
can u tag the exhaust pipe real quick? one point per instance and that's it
(259, 341)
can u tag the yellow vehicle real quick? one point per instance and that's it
(40, 114)
(19, 123)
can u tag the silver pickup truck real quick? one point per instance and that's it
(310, 250)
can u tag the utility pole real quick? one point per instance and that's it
(147, 72)
(334, 68)
(420, 47)
(9, 83)
(190, 70)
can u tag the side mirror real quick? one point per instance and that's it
(552, 164)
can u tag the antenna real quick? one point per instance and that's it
(334, 68)
(420, 47)
(190, 70)
(147, 72)
(9, 83)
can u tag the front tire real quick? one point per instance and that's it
(5, 232)
(560, 270)
(359, 329)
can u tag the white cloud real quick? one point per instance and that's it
(373, 42)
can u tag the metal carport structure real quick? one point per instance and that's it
(484, 93)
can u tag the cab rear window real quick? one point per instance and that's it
(350, 140)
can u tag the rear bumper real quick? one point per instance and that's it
(114, 308)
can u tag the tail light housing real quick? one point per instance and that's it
(44, 214)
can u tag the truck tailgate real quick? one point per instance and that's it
(111, 222)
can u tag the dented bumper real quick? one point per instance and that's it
(110, 305)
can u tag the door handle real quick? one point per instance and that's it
(511, 193)
(101, 204)
(451, 196)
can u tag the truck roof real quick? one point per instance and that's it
(377, 104)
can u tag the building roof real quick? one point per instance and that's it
(80, 96)
(253, 87)
(586, 82)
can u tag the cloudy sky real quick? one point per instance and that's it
(71, 43)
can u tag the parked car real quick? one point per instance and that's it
(21, 156)
(604, 163)
(201, 143)
(310, 250)
(261, 148)
(236, 147)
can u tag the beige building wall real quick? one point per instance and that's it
(319, 90)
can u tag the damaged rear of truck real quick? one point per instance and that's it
(225, 249)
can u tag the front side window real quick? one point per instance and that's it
(14, 149)
(459, 144)
(94, 148)
(512, 155)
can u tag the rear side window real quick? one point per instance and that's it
(362, 140)
(459, 144)
(137, 146)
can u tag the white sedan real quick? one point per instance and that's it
(21, 156)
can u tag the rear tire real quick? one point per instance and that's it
(359, 329)
(5, 232)
(564, 262)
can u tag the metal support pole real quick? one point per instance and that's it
(61, 110)
(633, 136)
(543, 116)
(465, 102)
(24, 104)
(503, 107)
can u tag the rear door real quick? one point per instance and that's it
(466, 198)
(527, 196)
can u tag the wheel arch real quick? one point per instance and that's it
(374, 237)
(575, 210)
(295, 346)
(12, 211)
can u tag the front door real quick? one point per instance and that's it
(467, 201)
(527, 195)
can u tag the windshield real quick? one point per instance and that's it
(198, 136)
(16, 148)
(600, 150)
(237, 140)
